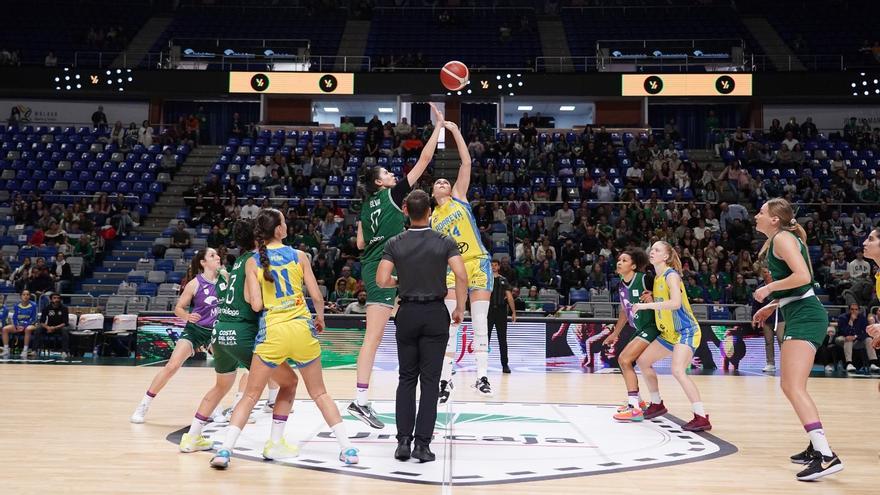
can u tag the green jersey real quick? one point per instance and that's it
(381, 219)
(630, 294)
(779, 270)
(233, 307)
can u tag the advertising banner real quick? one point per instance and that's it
(69, 112)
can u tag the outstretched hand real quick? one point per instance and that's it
(437, 115)
(450, 126)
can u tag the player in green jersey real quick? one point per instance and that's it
(381, 219)
(635, 286)
(233, 343)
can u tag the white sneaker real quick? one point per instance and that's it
(227, 417)
(220, 417)
(770, 368)
(279, 450)
(874, 368)
(850, 368)
(139, 413)
(267, 407)
(4, 353)
(829, 368)
(24, 353)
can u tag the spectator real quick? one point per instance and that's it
(54, 320)
(51, 60)
(403, 129)
(604, 191)
(169, 161)
(180, 238)
(257, 173)
(340, 291)
(358, 307)
(117, 135)
(852, 327)
(351, 283)
(24, 317)
(62, 274)
(809, 131)
(39, 282)
(239, 129)
(346, 127)
(250, 210)
(99, 119)
(790, 141)
(145, 135)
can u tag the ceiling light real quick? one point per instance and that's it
(524, 108)
(386, 110)
(566, 108)
(331, 109)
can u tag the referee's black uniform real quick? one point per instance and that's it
(421, 257)
(498, 311)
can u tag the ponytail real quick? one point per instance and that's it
(673, 260)
(264, 229)
(782, 209)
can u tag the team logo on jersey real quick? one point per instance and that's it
(487, 443)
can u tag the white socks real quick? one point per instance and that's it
(195, 429)
(232, 433)
(273, 394)
(341, 435)
(634, 400)
(361, 394)
(655, 398)
(278, 424)
(480, 322)
(698, 409)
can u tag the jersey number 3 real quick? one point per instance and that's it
(230, 291)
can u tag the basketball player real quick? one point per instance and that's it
(233, 344)
(381, 219)
(872, 252)
(635, 286)
(201, 292)
(453, 217)
(679, 333)
(806, 322)
(287, 337)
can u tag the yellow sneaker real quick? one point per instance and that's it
(190, 443)
(279, 450)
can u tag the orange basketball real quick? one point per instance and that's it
(454, 75)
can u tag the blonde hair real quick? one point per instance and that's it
(782, 209)
(673, 260)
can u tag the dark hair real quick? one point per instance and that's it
(418, 204)
(195, 266)
(243, 233)
(638, 257)
(369, 187)
(264, 229)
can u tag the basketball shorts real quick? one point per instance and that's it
(293, 341)
(479, 274)
(687, 336)
(233, 345)
(806, 320)
(376, 294)
(648, 334)
(198, 336)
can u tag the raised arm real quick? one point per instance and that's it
(428, 151)
(463, 181)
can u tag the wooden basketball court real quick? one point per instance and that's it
(65, 429)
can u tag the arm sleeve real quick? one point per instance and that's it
(649, 281)
(399, 191)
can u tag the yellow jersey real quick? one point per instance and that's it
(456, 219)
(877, 284)
(283, 300)
(672, 322)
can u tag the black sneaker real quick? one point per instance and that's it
(445, 390)
(821, 466)
(806, 456)
(483, 386)
(366, 414)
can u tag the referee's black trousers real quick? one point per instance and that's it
(422, 333)
(498, 320)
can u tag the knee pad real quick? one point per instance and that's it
(479, 320)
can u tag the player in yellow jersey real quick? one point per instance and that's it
(679, 332)
(872, 252)
(453, 217)
(287, 336)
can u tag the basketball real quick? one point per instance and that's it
(454, 75)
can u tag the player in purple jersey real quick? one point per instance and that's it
(200, 292)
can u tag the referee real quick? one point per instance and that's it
(421, 257)
(501, 300)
